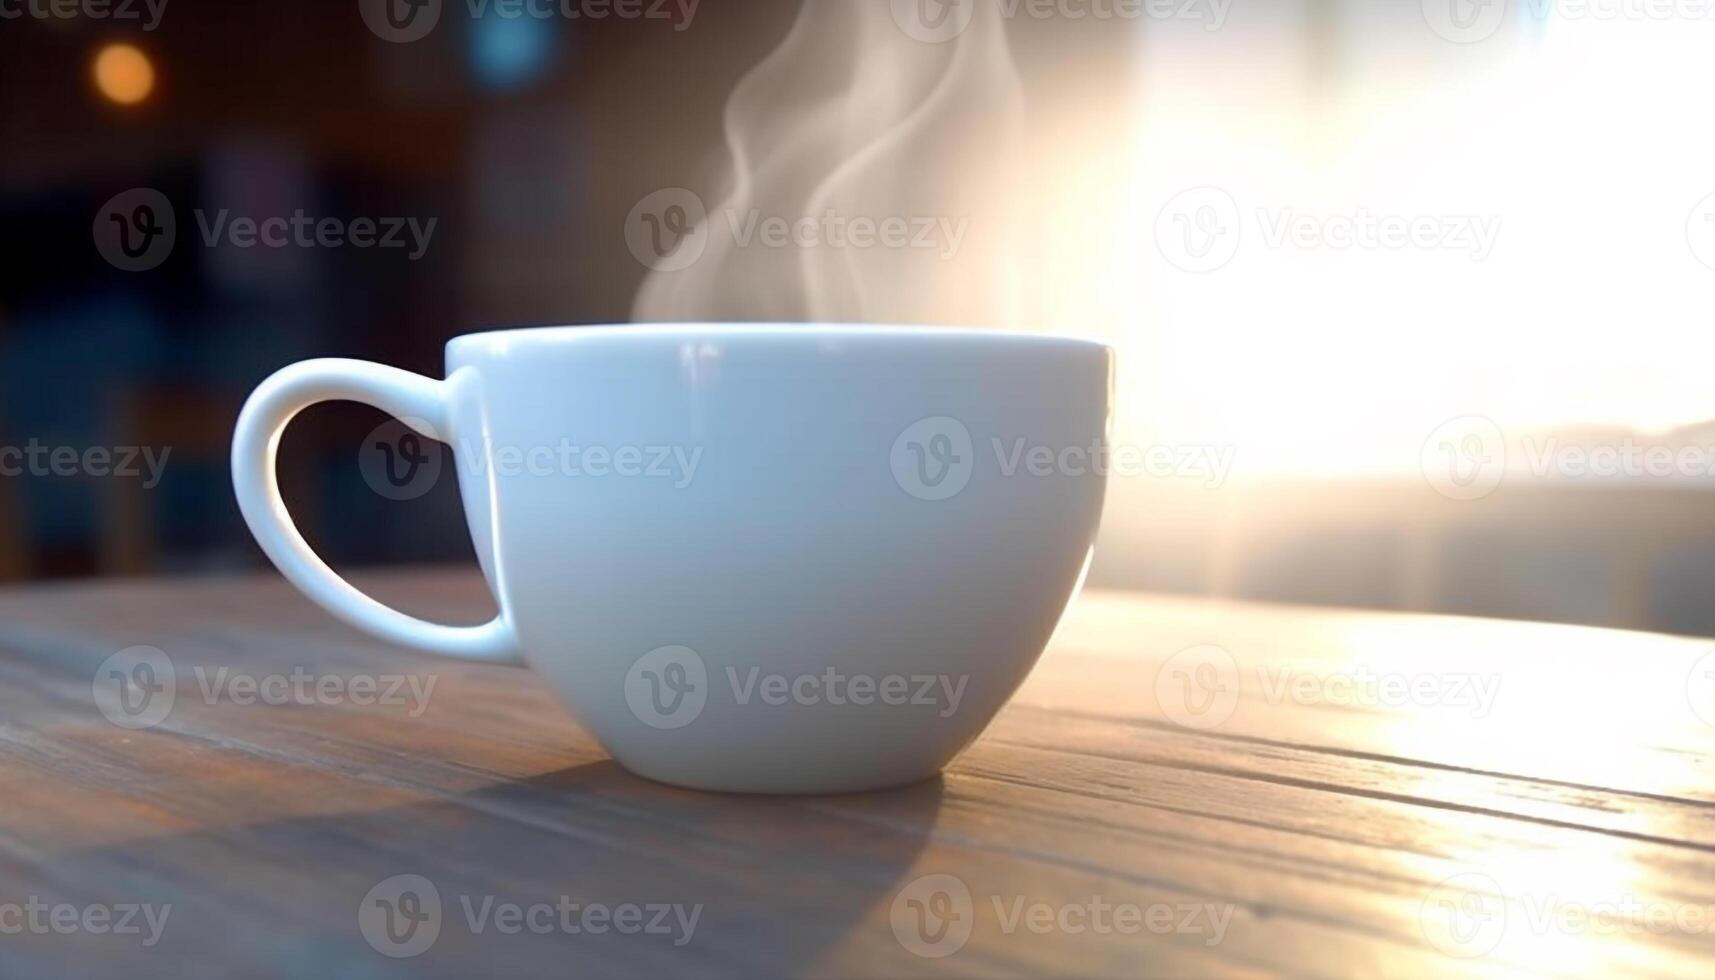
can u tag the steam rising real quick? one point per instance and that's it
(852, 123)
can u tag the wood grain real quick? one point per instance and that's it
(1361, 794)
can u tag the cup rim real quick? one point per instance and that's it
(823, 331)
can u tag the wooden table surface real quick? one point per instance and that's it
(1181, 788)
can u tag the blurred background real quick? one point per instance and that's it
(1410, 296)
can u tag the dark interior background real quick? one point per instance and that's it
(528, 140)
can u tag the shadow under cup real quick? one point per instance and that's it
(781, 559)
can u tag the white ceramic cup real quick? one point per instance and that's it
(764, 558)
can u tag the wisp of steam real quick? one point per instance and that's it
(871, 178)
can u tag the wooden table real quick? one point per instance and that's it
(1181, 788)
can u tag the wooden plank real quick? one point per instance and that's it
(1297, 836)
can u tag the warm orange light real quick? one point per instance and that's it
(123, 74)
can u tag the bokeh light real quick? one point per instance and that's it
(124, 74)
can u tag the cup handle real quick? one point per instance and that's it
(254, 446)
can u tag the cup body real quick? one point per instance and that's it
(780, 558)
